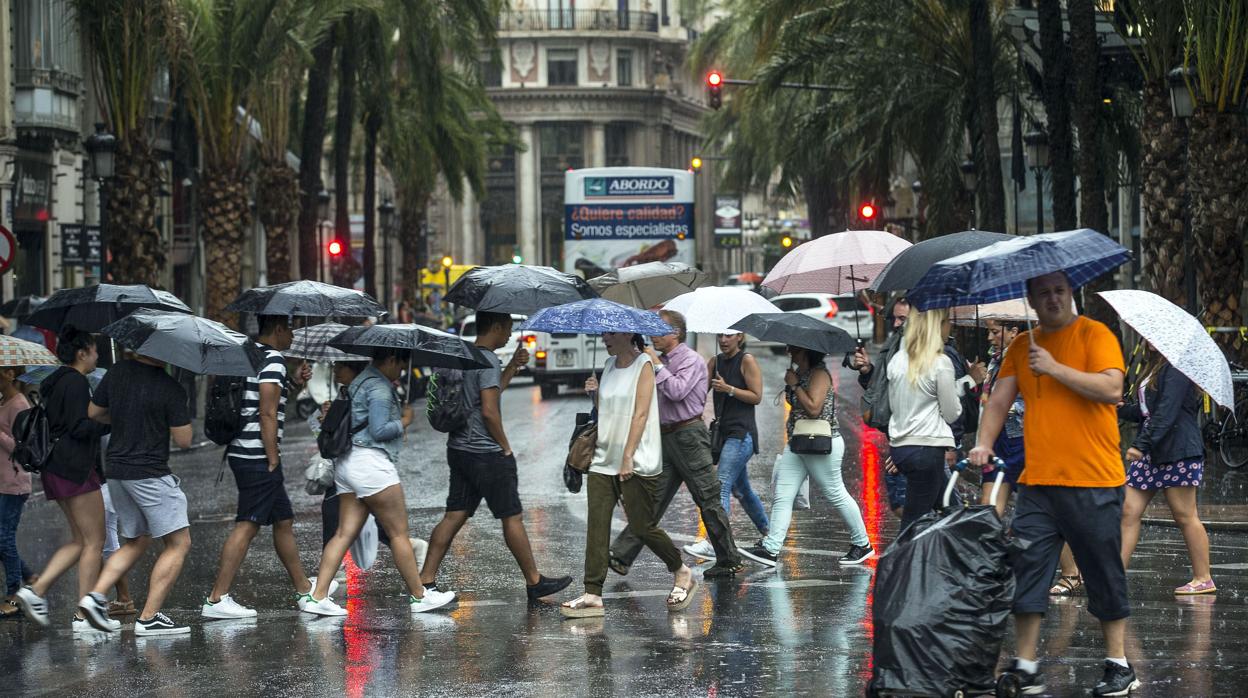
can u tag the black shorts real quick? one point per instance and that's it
(1089, 519)
(262, 497)
(477, 476)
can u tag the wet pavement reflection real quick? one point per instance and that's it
(802, 630)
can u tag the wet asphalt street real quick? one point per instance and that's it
(802, 630)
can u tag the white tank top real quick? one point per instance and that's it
(617, 393)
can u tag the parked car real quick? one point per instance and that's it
(846, 312)
(468, 332)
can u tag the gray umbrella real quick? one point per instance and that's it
(912, 263)
(517, 288)
(797, 330)
(427, 346)
(187, 341)
(306, 299)
(21, 307)
(90, 308)
(648, 285)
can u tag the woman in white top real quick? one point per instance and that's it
(923, 396)
(627, 458)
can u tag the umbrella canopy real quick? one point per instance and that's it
(306, 299)
(797, 330)
(20, 308)
(517, 288)
(1016, 310)
(1000, 271)
(650, 284)
(90, 308)
(428, 347)
(37, 375)
(19, 352)
(842, 263)
(190, 342)
(596, 316)
(1179, 337)
(905, 270)
(715, 309)
(312, 343)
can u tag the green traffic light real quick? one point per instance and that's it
(516, 259)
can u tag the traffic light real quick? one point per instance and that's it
(447, 261)
(786, 242)
(867, 211)
(335, 248)
(715, 83)
(696, 164)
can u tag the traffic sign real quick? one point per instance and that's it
(8, 249)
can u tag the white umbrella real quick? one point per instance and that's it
(715, 309)
(647, 285)
(1179, 337)
(1016, 310)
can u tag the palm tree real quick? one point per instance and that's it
(344, 270)
(312, 151)
(128, 64)
(277, 184)
(1055, 59)
(985, 97)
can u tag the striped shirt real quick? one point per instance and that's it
(248, 444)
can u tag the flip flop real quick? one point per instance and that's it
(682, 604)
(1066, 586)
(577, 608)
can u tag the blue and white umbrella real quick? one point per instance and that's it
(595, 316)
(1000, 271)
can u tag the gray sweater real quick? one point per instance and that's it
(922, 411)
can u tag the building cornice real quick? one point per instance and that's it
(600, 104)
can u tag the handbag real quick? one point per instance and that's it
(584, 442)
(811, 437)
(717, 442)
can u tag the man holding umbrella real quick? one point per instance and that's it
(1069, 371)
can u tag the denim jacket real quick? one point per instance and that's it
(373, 400)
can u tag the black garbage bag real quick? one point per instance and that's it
(943, 593)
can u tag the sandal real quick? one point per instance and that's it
(9, 609)
(617, 565)
(1067, 586)
(118, 608)
(680, 597)
(580, 608)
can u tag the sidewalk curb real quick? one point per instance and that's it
(1239, 526)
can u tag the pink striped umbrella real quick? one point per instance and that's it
(841, 263)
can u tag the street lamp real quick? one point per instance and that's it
(322, 215)
(1183, 106)
(102, 148)
(385, 216)
(969, 182)
(1181, 102)
(1037, 145)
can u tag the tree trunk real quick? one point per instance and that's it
(277, 202)
(1055, 57)
(311, 152)
(825, 207)
(988, 163)
(411, 215)
(1163, 170)
(344, 127)
(372, 125)
(225, 217)
(1218, 180)
(138, 252)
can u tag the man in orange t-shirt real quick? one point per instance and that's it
(1069, 371)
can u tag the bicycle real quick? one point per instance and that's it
(1228, 435)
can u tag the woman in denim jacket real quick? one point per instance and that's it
(368, 483)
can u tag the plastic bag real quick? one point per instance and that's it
(364, 549)
(802, 501)
(319, 474)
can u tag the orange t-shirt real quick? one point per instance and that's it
(1070, 441)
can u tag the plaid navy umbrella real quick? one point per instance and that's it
(1000, 271)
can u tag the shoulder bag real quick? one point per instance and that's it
(811, 437)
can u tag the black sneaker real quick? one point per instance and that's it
(1030, 683)
(858, 554)
(724, 569)
(159, 624)
(547, 587)
(94, 608)
(1118, 680)
(759, 554)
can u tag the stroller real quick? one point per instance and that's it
(943, 593)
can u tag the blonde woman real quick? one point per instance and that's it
(923, 395)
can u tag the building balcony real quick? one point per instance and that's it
(578, 20)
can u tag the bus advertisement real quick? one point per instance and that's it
(621, 216)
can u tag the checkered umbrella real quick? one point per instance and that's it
(1000, 271)
(19, 352)
(312, 343)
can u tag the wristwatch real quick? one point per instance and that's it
(732, 391)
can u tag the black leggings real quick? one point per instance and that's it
(924, 468)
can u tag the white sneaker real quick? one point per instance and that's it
(431, 600)
(421, 549)
(80, 625)
(301, 598)
(702, 549)
(33, 605)
(324, 607)
(159, 624)
(226, 608)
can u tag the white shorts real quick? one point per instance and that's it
(364, 472)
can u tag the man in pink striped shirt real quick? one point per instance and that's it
(681, 380)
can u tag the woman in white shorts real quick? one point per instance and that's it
(367, 482)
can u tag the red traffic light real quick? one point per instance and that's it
(866, 211)
(714, 78)
(335, 248)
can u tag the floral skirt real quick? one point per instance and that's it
(1143, 475)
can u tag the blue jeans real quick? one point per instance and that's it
(15, 571)
(825, 474)
(734, 479)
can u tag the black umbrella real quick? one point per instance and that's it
(306, 299)
(20, 308)
(90, 308)
(905, 270)
(517, 288)
(428, 347)
(187, 341)
(797, 330)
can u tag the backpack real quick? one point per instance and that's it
(223, 420)
(876, 410)
(334, 441)
(446, 405)
(32, 436)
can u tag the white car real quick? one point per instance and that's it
(846, 312)
(468, 333)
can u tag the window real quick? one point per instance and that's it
(491, 73)
(624, 67)
(561, 66)
(617, 144)
(789, 305)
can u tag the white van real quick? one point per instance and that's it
(563, 359)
